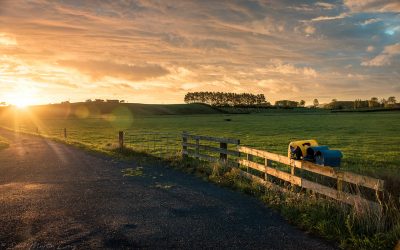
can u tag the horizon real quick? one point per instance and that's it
(155, 52)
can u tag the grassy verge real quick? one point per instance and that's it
(3, 143)
(351, 228)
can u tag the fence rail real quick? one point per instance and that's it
(338, 193)
(193, 149)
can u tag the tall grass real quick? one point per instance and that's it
(3, 143)
(350, 227)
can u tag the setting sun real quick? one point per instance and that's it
(22, 103)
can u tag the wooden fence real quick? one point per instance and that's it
(338, 193)
(193, 148)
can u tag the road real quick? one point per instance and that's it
(57, 196)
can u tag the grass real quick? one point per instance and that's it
(369, 142)
(348, 227)
(3, 143)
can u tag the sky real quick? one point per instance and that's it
(156, 51)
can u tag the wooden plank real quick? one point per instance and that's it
(357, 179)
(350, 199)
(211, 158)
(213, 149)
(251, 164)
(214, 139)
(264, 154)
(272, 171)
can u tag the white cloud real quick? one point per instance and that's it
(370, 21)
(326, 6)
(385, 57)
(327, 18)
(370, 48)
(372, 5)
(7, 40)
(278, 66)
(309, 30)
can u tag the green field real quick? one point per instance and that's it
(369, 141)
(3, 143)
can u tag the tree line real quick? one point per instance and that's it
(226, 99)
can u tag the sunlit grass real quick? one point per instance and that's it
(3, 143)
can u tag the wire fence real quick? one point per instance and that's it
(155, 143)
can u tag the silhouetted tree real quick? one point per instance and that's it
(225, 99)
(391, 100)
(316, 102)
(302, 103)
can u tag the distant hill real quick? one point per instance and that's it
(85, 109)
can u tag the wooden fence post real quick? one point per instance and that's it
(65, 133)
(249, 157)
(223, 156)
(197, 148)
(184, 141)
(121, 139)
(339, 184)
(267, 164)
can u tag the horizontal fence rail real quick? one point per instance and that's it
(193, 149)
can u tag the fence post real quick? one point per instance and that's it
(267, 164)
(121, 139)
(184, 141)
(223, 156)
(249, 157)
(340, 184)
(197, 148)
(65, 133)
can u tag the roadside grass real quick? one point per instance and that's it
(349, 227)
(3, 143)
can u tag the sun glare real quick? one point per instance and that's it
(21, 103)
(22, 97)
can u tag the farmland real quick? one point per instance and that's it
(369, 141)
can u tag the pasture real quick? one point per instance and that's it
(369, 141)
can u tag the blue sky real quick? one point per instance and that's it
(156, 51)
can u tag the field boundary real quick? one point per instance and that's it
(347, 187)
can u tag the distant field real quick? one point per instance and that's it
(369, 141)
(3, 143)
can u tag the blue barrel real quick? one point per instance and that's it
(310, 156)
(330, 158)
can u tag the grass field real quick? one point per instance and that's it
(369, 141)
(3, 143)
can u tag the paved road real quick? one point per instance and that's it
(57, 196)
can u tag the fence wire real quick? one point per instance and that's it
(155, 143)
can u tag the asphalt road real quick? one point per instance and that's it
(57, 196)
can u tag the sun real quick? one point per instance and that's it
(22, 97)
(21, 103)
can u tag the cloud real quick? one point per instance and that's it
(7, 40)
(372, 5)
(327, 6)
(370, 48)
(278, 86)
(309, 30)
(385, 57)
(370, 21)
(99, 69)
(327, 18)
(278, 66)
